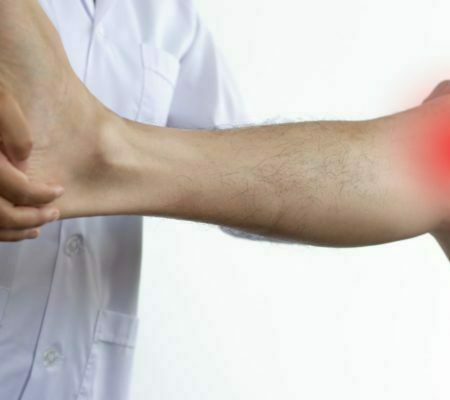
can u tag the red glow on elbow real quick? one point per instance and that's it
(434, 151)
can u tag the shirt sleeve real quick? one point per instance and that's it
(206, 95)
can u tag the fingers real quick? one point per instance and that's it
(19, 223)
(15, 187)
(22, 223)
(15, 134)
(16, 145)
(12, 217)
(22, 201)
(16, 236)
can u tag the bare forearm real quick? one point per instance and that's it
(327, 183)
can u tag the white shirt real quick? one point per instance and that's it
(68, 300)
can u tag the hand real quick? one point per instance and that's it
(22, 201)
(40, 93)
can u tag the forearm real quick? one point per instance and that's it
(327, 183)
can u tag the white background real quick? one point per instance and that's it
(225, 319)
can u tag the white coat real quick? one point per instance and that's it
(68, 300)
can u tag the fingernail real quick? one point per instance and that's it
(53, 215)
(33, 234)
(59, 191)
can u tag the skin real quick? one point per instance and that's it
(24, 202)
(35, 115)
(442, 233)
(325, 183)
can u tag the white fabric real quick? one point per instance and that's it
(68, 300)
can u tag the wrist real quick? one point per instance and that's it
(143, 169)
(80, 160)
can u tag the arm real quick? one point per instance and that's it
(330, 183)
(327, 183)
(206, 95)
